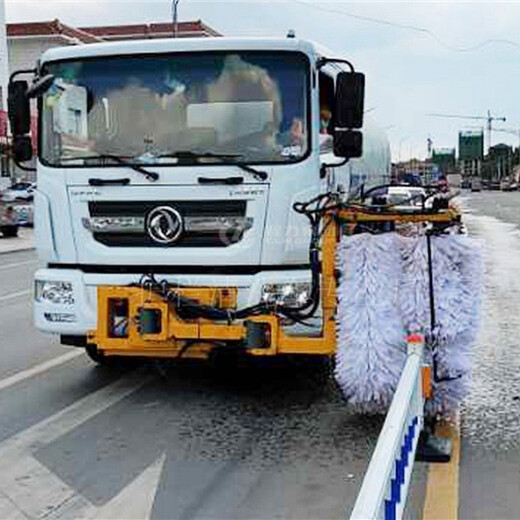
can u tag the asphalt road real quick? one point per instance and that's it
(81, 441)
(490, 449)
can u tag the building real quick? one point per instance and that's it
(498, 165)
(445, 159)
(426, 170)
(195, 29)
(471, 153)
(26, 42)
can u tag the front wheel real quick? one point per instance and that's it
(98, 357)
(10, 231)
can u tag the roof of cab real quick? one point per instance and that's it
(179, 45)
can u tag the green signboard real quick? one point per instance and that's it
(471, 145)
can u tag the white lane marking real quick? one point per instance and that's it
(37, 492)
(135, 501)
(39, 369)
(19, 264)
(29, 485)
(66, 420)
(12, 296)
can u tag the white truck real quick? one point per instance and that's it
(180, 161)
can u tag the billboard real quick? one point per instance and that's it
(471, 145)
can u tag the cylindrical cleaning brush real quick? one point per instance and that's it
(384, 289)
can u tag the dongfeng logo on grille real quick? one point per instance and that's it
(164, 224)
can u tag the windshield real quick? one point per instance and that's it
(250, 105)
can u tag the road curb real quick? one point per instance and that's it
(31, 248)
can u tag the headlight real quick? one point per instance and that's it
(54, 292)
(288, 294)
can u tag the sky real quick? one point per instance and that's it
(420, 57)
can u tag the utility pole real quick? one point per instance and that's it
(429, 144)
(175, 20)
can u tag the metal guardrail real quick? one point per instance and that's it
(385, 486)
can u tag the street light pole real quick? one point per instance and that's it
(175, 21)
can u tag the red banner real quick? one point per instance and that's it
(3, 123)
(4, 126)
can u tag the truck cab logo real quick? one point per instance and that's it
(164, 224)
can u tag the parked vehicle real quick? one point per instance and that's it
(476, 185)
(508, 185)
(406, 198)
(24, 213)
(414, 179)
(513, 186)
(20, 191)
(8, 219)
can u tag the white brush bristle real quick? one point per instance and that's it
(384, 290)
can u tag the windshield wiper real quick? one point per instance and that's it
(151, 176)
(188, 154)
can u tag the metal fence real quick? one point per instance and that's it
(385, 486)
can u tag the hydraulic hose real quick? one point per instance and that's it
(190, 309)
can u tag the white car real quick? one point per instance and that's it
(8, 219)
(19, 191)
(406, 198)
(24, 213)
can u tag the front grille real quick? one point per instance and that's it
(214, 208)
(207, 208)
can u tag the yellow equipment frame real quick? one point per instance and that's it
(202, 335)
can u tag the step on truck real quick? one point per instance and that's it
(169, 173)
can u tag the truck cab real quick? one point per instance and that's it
(183, 159)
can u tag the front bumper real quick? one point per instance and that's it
(85, 290)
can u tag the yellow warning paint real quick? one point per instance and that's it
(442, 486)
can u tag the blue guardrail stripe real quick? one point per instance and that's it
(401, 464)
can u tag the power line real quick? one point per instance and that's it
(423, 30)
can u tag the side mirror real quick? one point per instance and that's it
(19, 108)
(348, 143)
(22, 148)
(350, 100)
(40, 86)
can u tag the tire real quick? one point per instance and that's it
(98, 357)
(10, 232)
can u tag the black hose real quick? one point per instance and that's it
(187, 308)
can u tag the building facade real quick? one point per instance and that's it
(471, 153)
(499, 164)
(424, 169)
